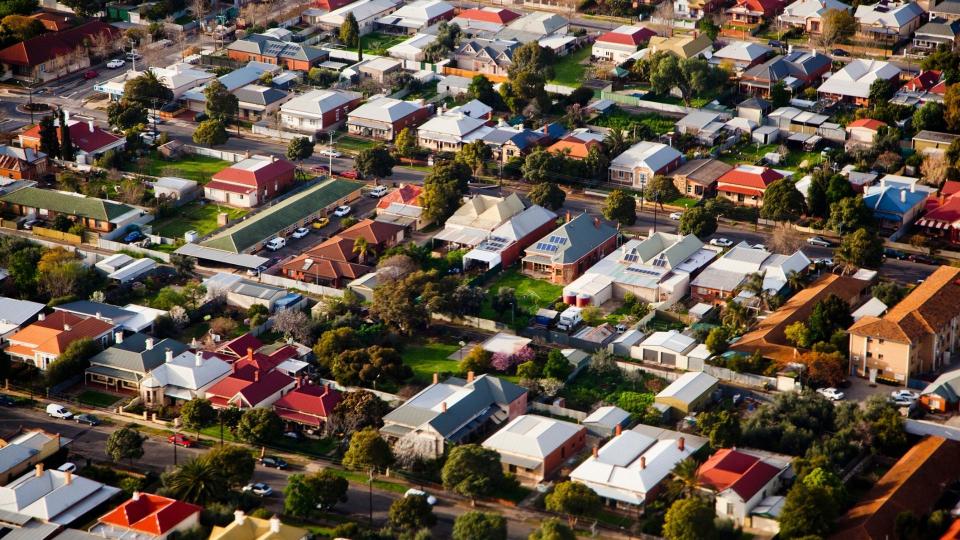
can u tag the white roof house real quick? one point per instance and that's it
(871, 308)
(316, 102)
(30, 446)
(741, 52)
(365, 11)
(54, 496)
(412, 49)
(14, 313)
(604, 420)
(502, 343)
(474, 109)
(187, 375)
(450, 130)
(534, 26)
(801, 10)
(729, 271)
(384, 109)
(887, 16)
(632, 464)
(478, 217)
(528, 439)
(854, 79)
(642, 161)
(417, 15)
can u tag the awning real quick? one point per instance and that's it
(225, 257)
(521, 461)
(178, 393)
(490, 258)
(467, 237)
(299, 417)
(113, 373)
(612, 493)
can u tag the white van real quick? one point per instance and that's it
(58, 411)
(570, 318)
(276, 243)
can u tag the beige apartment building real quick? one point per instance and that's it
(919, 335)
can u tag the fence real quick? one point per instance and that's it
(219, 154)
(311, 288)
(263, 128)
(57, 235)
(447, 70)
(556, 410)
(474, 322)
(103, 243)
(740, 379)
(638, 101)
(669, 375)
(392, 399)
(220, 61)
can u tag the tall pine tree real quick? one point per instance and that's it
(67, 151)
(49, 144)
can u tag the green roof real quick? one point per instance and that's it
(269, 222)
(66, 203)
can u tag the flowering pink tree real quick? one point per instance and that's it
(503, 362)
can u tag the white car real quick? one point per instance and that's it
(413, 492)
(115, 63)
(676, 216)
(300, 233)
(818, 241)
(342, 211)
(722, 242)
(134, 55)
(259, 488)
(276, 243)
(378, 192)
(831, 393)
(154, 120)
(826, 261)
(904, 395)
(329, 152)
(55, 410)
(68, 467)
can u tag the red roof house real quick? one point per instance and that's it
(86, 137)
(942, 217)
(35, 58)
(255, 382)
(751, 12)
(148, 515)
(924, 82)
(489, 15)
(250, 182)
(739, 481)
(239, 347)
(862, 132)
(746, 184)
(379, 235)
(630, 35)
(406, 194)
(53, 22)
(331, 5)
(308, 405)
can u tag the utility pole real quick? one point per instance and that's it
(330, 155)
(370, 492)
(175, 447)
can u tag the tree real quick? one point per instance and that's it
(472, 471)
(366, 366)
(862, 248)
(411, 513)
(477, 361)
(375, 162)
(824, 369)
(552, 529)
(951, 106)
(838, 188)
(49, 142)
(72, 362)
(444, 189)
(782, 201)
(67, 151)
(221, 104)
(86, 8)
(718, 340)
(350, 32)
(357, 410)
(828, 315)
(482, 89)
(405, 143)
(367, 451)
(259, 426)
(885, 425)
(475, 155)
(850, 214)
(838, 25)
(660, 189)
(808, 510)
(197, 481)
(690, 519)
(299, 149)
(699, 222)
(888, 292)
(234, 463)
(124, 443)
(210, 133)
(557, 366)
(722, 427)
(691, 76)
(541, 166)
(147, 90)
(293, 323)
(779, 95)
(479, 526)
(197, 414)
(18, 7)
(572, 498)
(708, 27)
(547, 195)
(305, 494)
(126, 115)
(930, 117)
(621, 207)
(818, 203)
(798, 334)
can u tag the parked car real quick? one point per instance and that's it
(329, 152)
(300, 233)
(342, 211)
(840, 52)
(56, 410)
(31, 223)
(151, 119)
(133, 55)
(831, 393)
(722, 242)
(90, 74)
(320, 169)
(413, 492)
(922, 259)
(759, 246)
(274, 461)
(819, 241)
(115, 63)
(351, 174)
(263, 267)
(276, 243)
(378, 192)
(676, 216)
(87, 419)
(7, 401)
(825, 261)
(904, 394)
(200, 117)
(891, 253)
(180, 440)
(321, 223)
(258, 488)
(68, 467)
(133, 236)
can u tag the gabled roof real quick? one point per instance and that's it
(58, 330)
(240, 346)
(374, 232)
(812, 8)
(653, 156)
(682, 46)
(855, 78)
(498, 51)
(269, 46)
(318, 102)
(742, 473)
(569, 242)
(880, 14)
(743, 51)
(255, 171)
(924, 81)
(751, 176)
(385, 109)
(188, 370)
(867, 123)
(489, 14)
(83, 135)
(133, 354)
(450, 127)
(888, 200)
(40, 49)
(150, 514)
(405, 194)
(532, 436)
(628, 35)
(308, 403)
(67, 203)
(688, 387)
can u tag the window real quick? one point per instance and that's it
(880, 356)
(729, 509)
(869, 354)
(880, 341)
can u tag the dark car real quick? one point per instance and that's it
(90, 74)
(840, 52)
(87, 419)
(7, 401)
(134, 236)
(200, 117)
(922, 259)
(775, 44)
(894, 254)
(274, 461)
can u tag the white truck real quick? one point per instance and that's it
(570, 318)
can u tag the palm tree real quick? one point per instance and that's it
(685, 478)
(361, 247)
(795, 280)
(197, 481)
(615, 142)
(754, 285)
(735, 315)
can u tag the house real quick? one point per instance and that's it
(16, 314)
(690, 11)
(485, 21)
(257, 102)
(605, 420)
(873, 307)
(378, 235)
(129, 318)
(380, 69)
(89, 141)
(683, 46)
(942, 216)
(948, 10)
(148, 516)
(402, 207)
(366, 12)
(491, 57)
(894, 206)
(929, 85)
(918, 335)
(255, 383)
(184, 377)
(533, 447)
(717, 282)
(752, 12)
(942, 395)
(413, 49)
(250, 182)
(578, 143)
(567, 252)
(534, 26)
(448, 132)
(245, 294)
(741, 55)
(318, 110)
(706, 125)
(55, 54)
(630, 469)
(42, 342)
(307, 405)
(124, 365)
(935, 33)
(25, 450)
(768, 338)
(691, 392)
(333, 263)
(656, 270)
(914, 484)
(473, 222)
(179, 78)
(852, 82)
(620, 43)
(55, 497)
(862, 132)
(22, 163)
(508, 142)
(754, 109)
(808, 14)
(415, 17)
(195, 99)
(384, 117)
(796, 70)
(738, 481)
(888, 23)
(175, 189)
(698, 177)
(671, 349)
(746, 184)
(269, 50)
(927, 141)
(108, 218)
(506, 243)
(244, 527)
(453, 412)
(453, 85)
(643, 161)
(53, 22)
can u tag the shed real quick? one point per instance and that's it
(178, 189)
(625, 342)
(766, 134)
(603, 422)
(505, 344)
(130, 272)
(690, 392)
(114, 262)
(453, 85)
(701, 310)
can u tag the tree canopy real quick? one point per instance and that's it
(367, 451)
(376, 162)
(472, 471)
(621, 207)
(699, 222)
(782, 201)
(548, 195)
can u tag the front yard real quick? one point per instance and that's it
(93, 398)
(532, 294)
(569, 70)
(194, 217)
(190, 166)
(353, 144)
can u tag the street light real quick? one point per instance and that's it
(462, 345)
(176, 431)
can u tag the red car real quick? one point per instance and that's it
(90, 74)
(321, 169)
(351, 174)
(180, 440)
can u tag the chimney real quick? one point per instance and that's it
(67, 477)
(903, 195)
(239, 517)
(444, 406)
(436, 378)
(596, 452)
(469, 376)
(299, 381)
(90, 125)
(643, 462)
(913, 187)
(66, 115)
(118, 337)
(275, 524)
(38, 470)
(99, 315)
(256, 375)
(568, 216)
(135, 496)
(681, 443)
(168, 355)
(41, 317)
(149, 343)
(619, 430)
(250, 354)
(596, 223)
(198, 359)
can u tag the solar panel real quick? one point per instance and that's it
(643, 271)
(631, 257)
(499, 239)
(660, 261)
(558, 240)
(544, 246)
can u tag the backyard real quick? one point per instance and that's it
(625, 121)
(532, 294)
(569, 69)
(753, 153)
(429, 358)
(377, 43)
(194, 217)
(190, 166)
(632, 392)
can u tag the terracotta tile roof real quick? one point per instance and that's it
(636, 36)
(405, 194)
(249, 392)
(36, 51)
(769, 336)
(53, 22)
(750, 176)
(574, 147)
(923, 82)
(743, 473)
(308, 404)
(150, 514)
(325, 268)
(375, 232)
(926, 310)
(868, 123)
(51, 335)
(334, 249)
(498, 16)
(88, 139)
(913, 484)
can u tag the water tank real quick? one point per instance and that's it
(570, 299)
(583, 300)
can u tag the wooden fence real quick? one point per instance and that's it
(57, 235)
(447, 70)
(287, 283)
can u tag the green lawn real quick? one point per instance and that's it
(363, 478)
(532, 294)
(623, 120)
(751, 153)
(698, 102)
(190, 166)
(377, 43)
(426, 92)
(569, 69)
(686, 202)
(353, 144)
(306, 447)
(193, 217)
(430, 358)
(97, 399)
